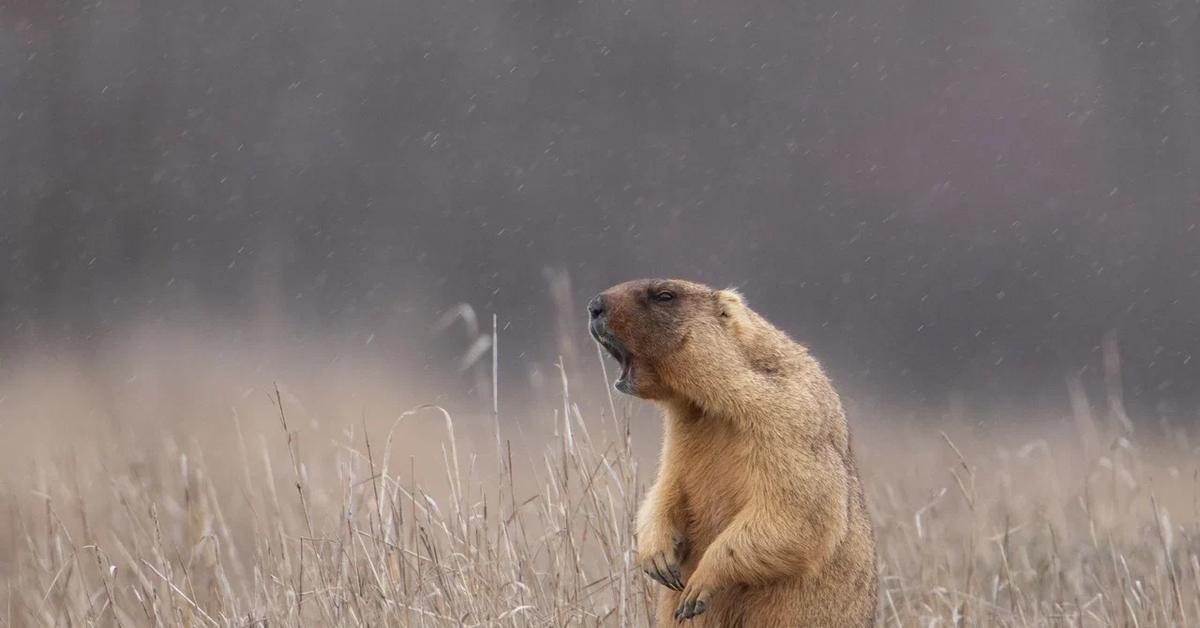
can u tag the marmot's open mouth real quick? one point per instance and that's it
(622, 357)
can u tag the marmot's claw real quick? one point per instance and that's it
(649, 571)
(669, 571)
(664, 571)
(694, 603)
(656, 575)
(676, 579)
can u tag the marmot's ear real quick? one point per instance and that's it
(729, 303)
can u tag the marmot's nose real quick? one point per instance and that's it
(596, 307)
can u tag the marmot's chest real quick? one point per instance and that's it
(716, 479)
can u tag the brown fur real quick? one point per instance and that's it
(758, 517)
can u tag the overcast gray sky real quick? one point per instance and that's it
(936, 195)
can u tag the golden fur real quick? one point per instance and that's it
(758, 517)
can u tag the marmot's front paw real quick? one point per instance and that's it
(696, 596)
(693, 603)
(663, 564)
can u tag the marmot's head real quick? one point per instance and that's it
(669, 335)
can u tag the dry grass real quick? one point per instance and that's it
(263, 519)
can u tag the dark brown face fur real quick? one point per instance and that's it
(641, 322)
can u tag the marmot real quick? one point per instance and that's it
(758, 517)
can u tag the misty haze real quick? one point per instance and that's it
(241, 241)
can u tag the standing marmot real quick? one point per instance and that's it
(758, 517)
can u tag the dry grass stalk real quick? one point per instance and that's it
(1033, 526)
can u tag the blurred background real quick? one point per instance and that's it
(953, 203)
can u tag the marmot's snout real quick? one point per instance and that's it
(596, 307)
(598, 327)
(598, 319)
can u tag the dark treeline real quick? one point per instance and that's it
(940, 195)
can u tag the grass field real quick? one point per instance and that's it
(195, 513)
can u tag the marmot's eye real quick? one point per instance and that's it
(663, 297)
